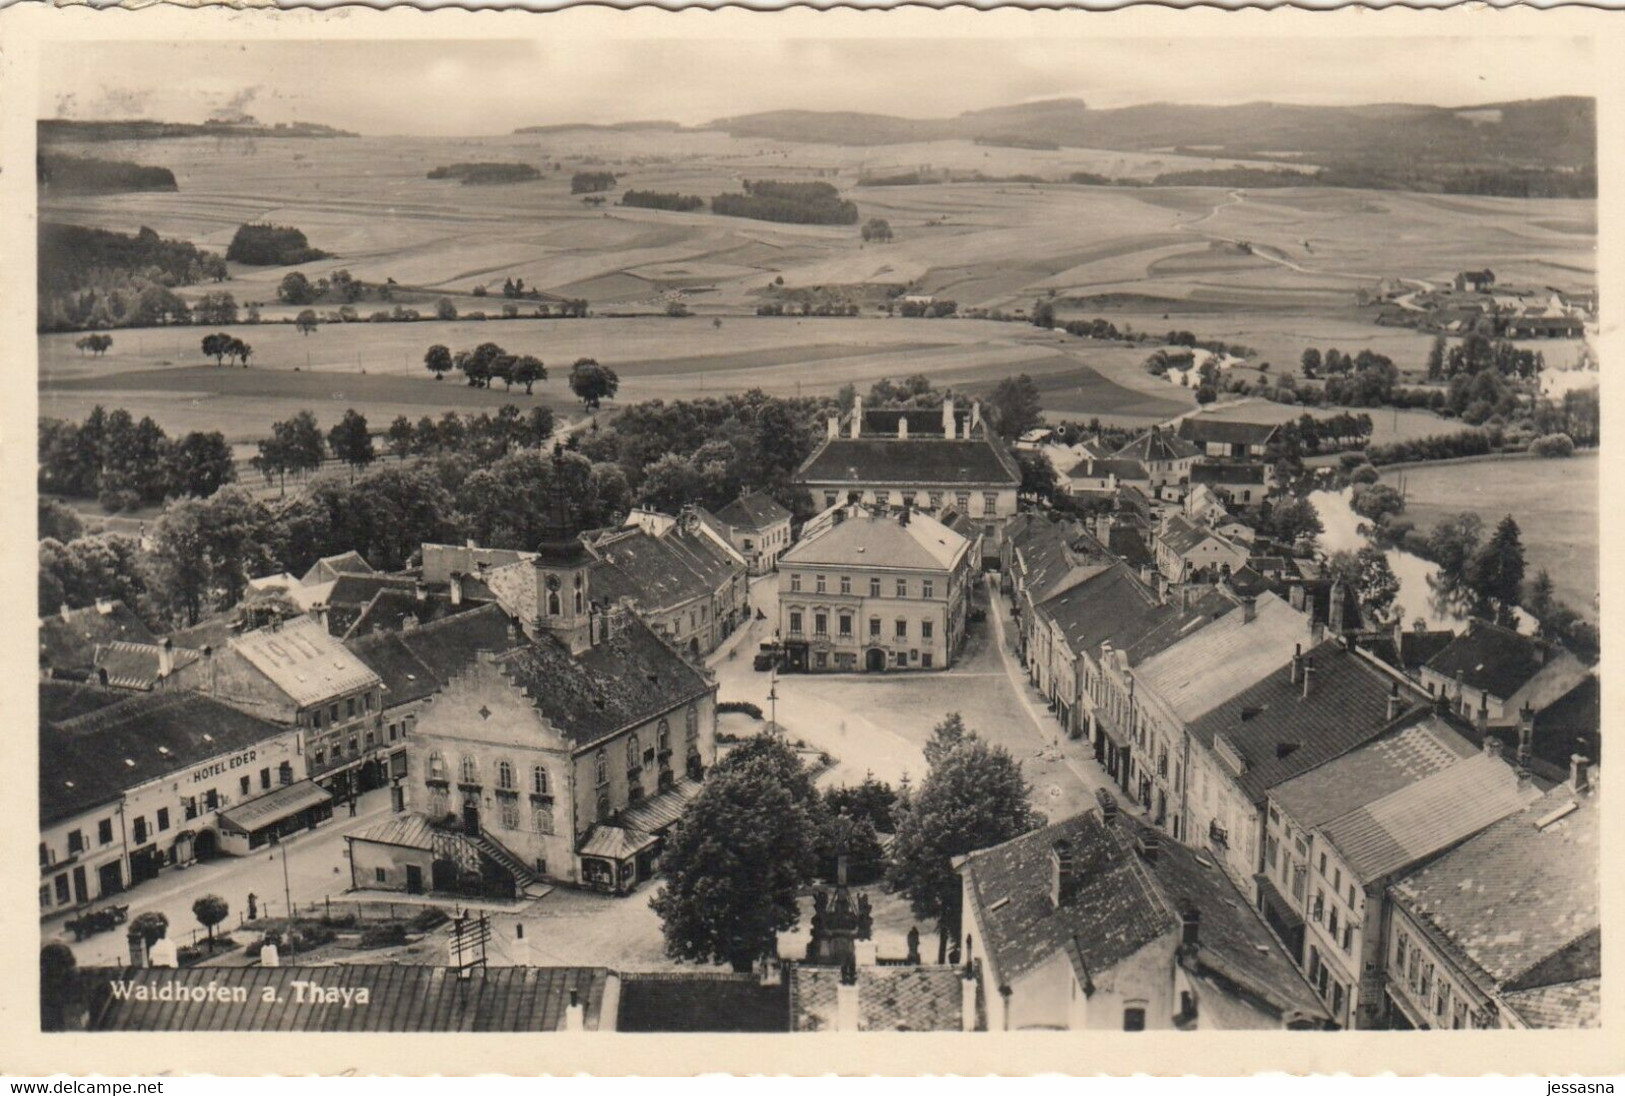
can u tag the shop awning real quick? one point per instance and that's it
(658, 812)
(273, 807)
(615, 843)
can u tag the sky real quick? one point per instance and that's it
(478, 88)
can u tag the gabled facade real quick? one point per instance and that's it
(1490, 674)
(758, 528)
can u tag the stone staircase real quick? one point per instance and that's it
(525, 881)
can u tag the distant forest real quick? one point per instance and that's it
(654, 199)
(143, 129)
(271, 245)
(90, 277)
(486, 174)
(86, 175)
(788, 203)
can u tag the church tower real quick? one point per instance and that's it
(562, 563)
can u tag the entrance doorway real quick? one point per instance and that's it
(874, 660)
(111, 878)
(471, 816)
(414, 879)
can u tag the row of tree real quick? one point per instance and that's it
(1477, 352)
(126, 464)
(95, 278)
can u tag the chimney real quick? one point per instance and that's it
(1190, 927)
(1297, 663)
(1150, 846)
(1308, 676)
(1492, 746)
(948, 423)
(1483, 719)
(513, 629)
(166, 657)
(319, 611)
(1108, 805)
(834, 430)
(575, 1017)
(1249, 610)
(421, 590)
(409, 624)
(967, 1001)
(1526, 733)
(857, 416)
(1579, 774)
(456, 588)
(902, 425)
(1395, 704)
(975, 414)
(1317, 632)
(1336, 608)
(66, 613)
(1295, 596)
(1062, 873)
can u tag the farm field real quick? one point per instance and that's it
(1555, 503)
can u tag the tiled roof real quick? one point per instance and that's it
(441, 560)
(1409, 825)
(1575, 1004)
(756, 511)
(1517, 894)
(95, 756)
(405, 676)
(905, 998)
(329, 568)
(1055, 556)
(389, 610)
(1202, 429)
(867, 539)
(1372, 771)
(1228, 475)
(1278, 733)
(304, 661)
(1224, 657)
(1130, 545)
(1123, 468)
(659, 573)
(1571, 725)
(1158, 445)
(214, 631)
(70, 644)
(448, 646)
(912, 461)
(695, 1001)
(1182, 535)
(1121, 904)
(1114, 914)
(614, 842)
(135, 665)
(1114, 605)
(1491, 658)
(60, 701)
(403, 998)
(409, 831)
(350, 595)
(626, 679)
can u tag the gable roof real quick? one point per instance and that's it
(658, 572)
(1275, 733)
(1182, 536)
(1492, 659)
(1055, 556)
(301, 659)
(1413, 823)
(1372, 771)
(701, 1001)
(1124, 468)
(1572, 724)
(329, 568)
(350, 594)
(69, 641)
(1228, 475)
(973, 462)
(405, 676)
(1576, 1004)
(95, 756)
(867, 539)
(448, 646)
(626, 679)
(1526, 889)
(756, 510)
(1158, 445)
(1225, 657)
(1115, 606)
(390, 609)
(137, 665)
(903, 998)
(1202, 429)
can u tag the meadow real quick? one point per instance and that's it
(1560, 528)
(1153, 257)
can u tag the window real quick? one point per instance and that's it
(244, 784)
(830, 499)
(925, 660)
(874, 587)
(1320, 905)
(928, 588)
(104, 831)
(392, 732)
(1331, 923)
(1337, 883)
(846, 584)
(437, 766)
(818, 583)
(962, 501)
(821, 624)
(908, 499)
(846, 625)
(795, 583)
(468, 770)
(902, 629)
(1322, 865)
(366, 702)
(505, 776)
(693, 719)
(163, 819)
(61, 889)
(1134, 1018)
(1352, 903)
(333, 713)
(541, 820)
(1337, 999)
(265, 779)
(1348, 937)
(139, 829)
(211, 801)
(902, 587)
(350, 708)
(882, 498)
(371, 740)
(874, 627)
(936, 500)
(555, 604)
(990, 503)
(795, 622)
(380, 875)
(927, 629)
(316, 719)
(663, 736)
(1271, 851)
(510, 813)
(603, 768)
(603, 807)
(538, 781)
(632, 752)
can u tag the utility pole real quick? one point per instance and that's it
(773, 699)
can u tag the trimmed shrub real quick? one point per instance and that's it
(1552, 445)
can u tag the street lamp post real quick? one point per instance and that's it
(287, 890)
(773, 700)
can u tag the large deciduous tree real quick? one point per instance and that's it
(351, 441)
(593, 383)
(1015, 407)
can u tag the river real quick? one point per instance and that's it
(1415, 595)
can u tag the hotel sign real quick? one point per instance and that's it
(209, 772)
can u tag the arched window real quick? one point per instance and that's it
(553, 605)
(603, 807)
(505, 774)
(469, 770)
(663, 733)
(542, 819)
(581, 593)
(693, 720)
(632, 752)
(603, 767)
(437, 765)
(538, 781)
